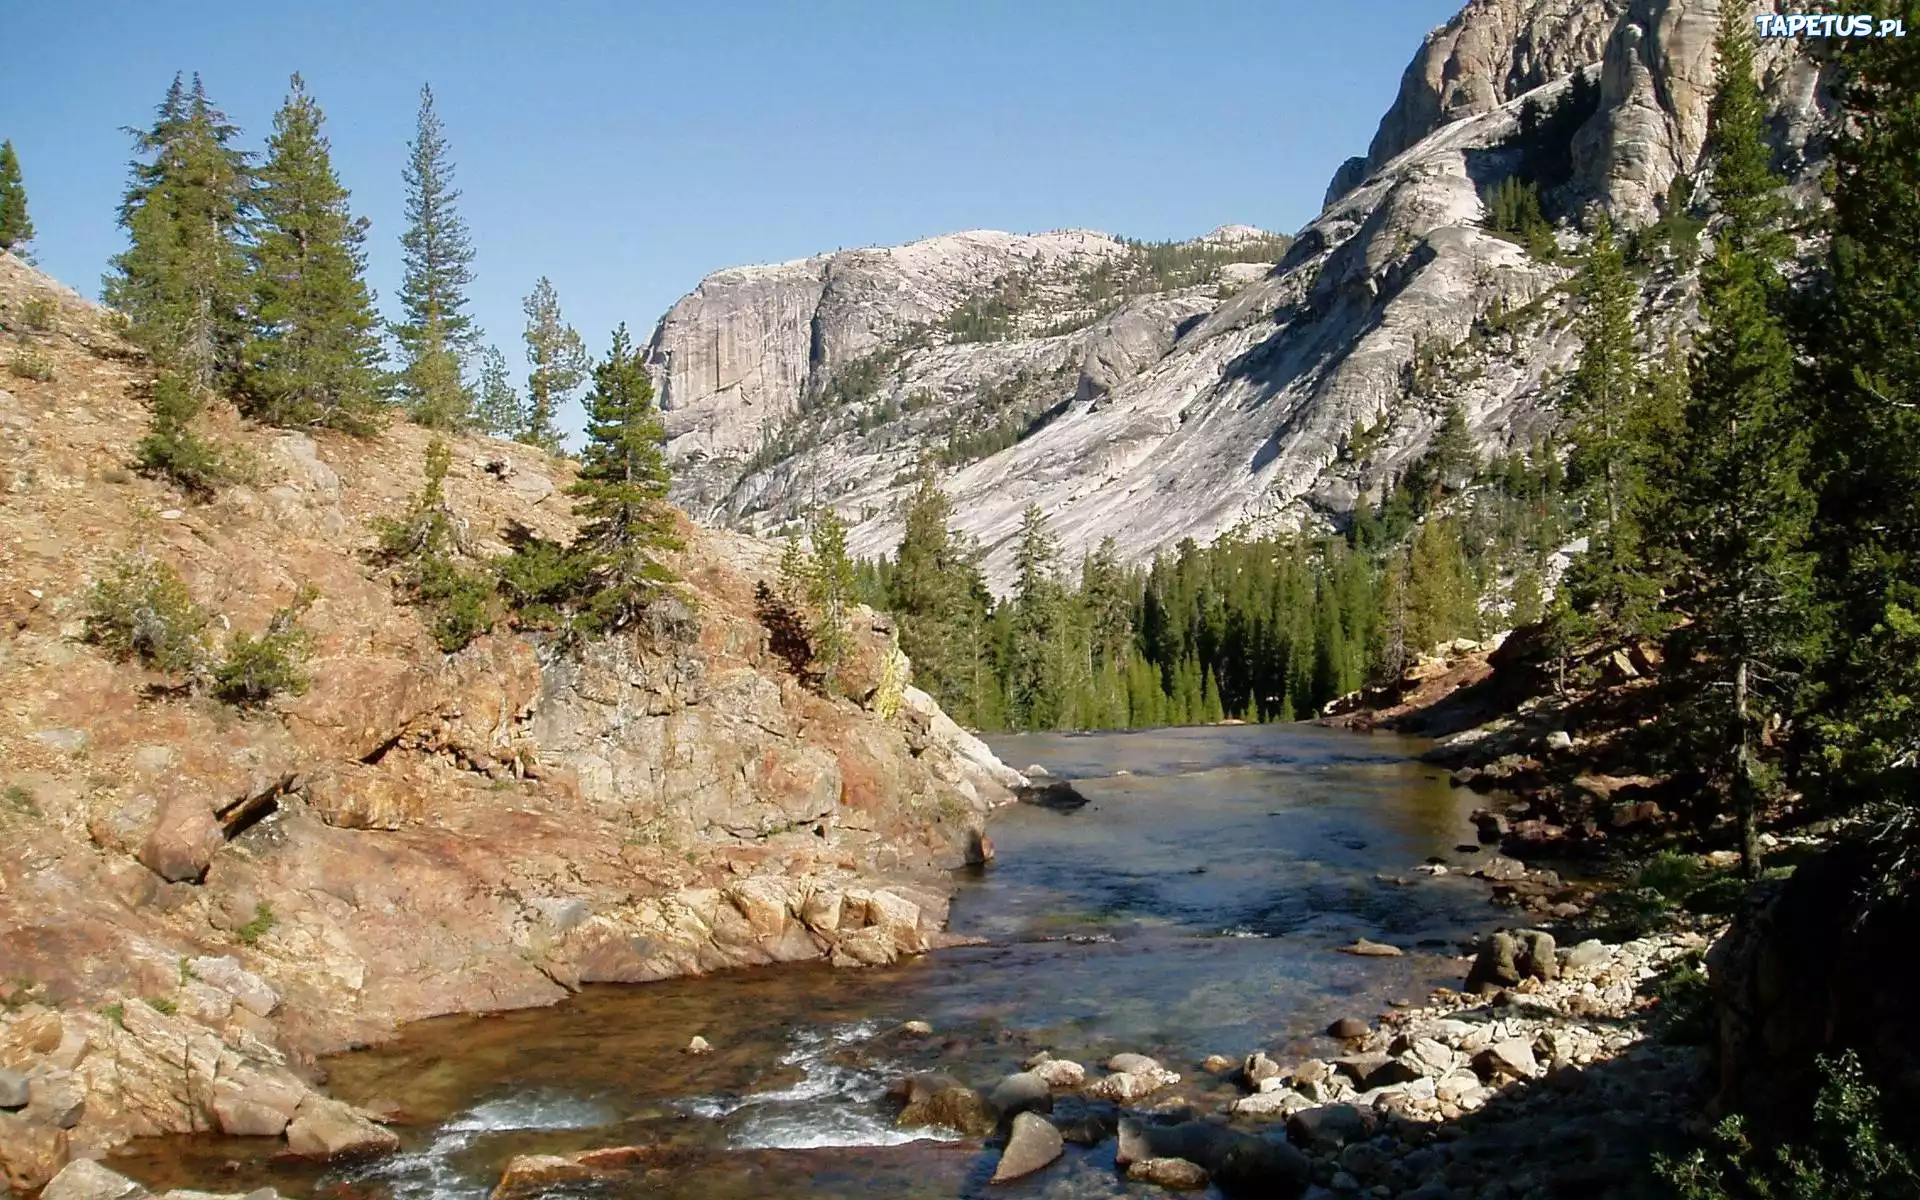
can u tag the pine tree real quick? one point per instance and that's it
(1034, 688)
(936, 592)
(1740, 507)
(559, 361)
(497, 410)
(438, 265)
(621, 493)
(830, 586)
(16, 227)
(314, 358)
(182, 281)
(1607, 405)
(173, 448)
(1452, 455)
(1867, 441)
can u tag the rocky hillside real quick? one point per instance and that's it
(196, 900)
(1263, 397)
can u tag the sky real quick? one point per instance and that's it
(625, 150)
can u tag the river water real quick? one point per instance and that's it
(1194, 905)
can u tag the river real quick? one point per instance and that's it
(1194, 905)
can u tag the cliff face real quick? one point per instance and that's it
(194, 902)
(1191, 410)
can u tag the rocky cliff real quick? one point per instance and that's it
(1186, 411)
(196, 901)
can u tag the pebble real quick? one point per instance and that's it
(699, 1045)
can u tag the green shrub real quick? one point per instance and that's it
(256, 669)
(27, 365)
(172, 449)
(38, 314)
(1683, 1012)
(117, 1013)
(1847, 1157)
(256, 929)
(460, 603)
(143, 611)
(161, 1004)
(19, 799)
(539, 579)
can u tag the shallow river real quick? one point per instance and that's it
(1193, 906)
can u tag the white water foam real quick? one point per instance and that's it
(832, 1104)
(427, 1173)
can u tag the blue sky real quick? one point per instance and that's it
(626, 149)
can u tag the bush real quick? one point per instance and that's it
(172, 449)
(143, 611)
(1847, 1157)
(257, 928)
(37, 367)
(256, 669)
(538, 579)
(38, 314)
(460, 603)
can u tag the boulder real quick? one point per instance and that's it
(1329, 1127)
(1127, 1087)
(699, 1045)
(1370, 949)
(957, 1108)
(1509, 1059)
(325, 1128)
(1349, 1028)
(538, 1172)
(1032, 1144)
(1259, 1068)
(1174, 1174)
(55, 1099)
(1023, 1091)
(1061, 1073)
(1507, 958)
(13, 1089)
(30, 1154)
(1265, 1167)
(1132, 1063)
(248, 990)
(84, 1179)
(249, 1103)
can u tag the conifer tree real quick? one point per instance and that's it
(437, 260)
(497, 409)
(315, 355)
(559, 361)
(621, 493)
(1110, 624)
(830, 587)
(1034, 691)
(1867, 442)
(182, 280)
(16, 227)
(1606, 403)
(173, 448)
(1740, 506)
(936, 592)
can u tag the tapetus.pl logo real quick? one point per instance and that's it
(1828, 25)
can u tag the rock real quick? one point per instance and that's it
(1132, 1063)
(1126, 1087)
(1061, 1073)
(917, 1029)
(1587, 954)
(538, 1172)
(1559, 740)
(1021, 1092)
(1032, 1144)
(247, 989)
(1507, 958)
(1327, 1128)
(248, 1103)
(1259, 1068)
(1218, 1064)
(325, 1128)
(1367, 949)
(84, 1179)
(1508, 1059)
(1349, 1028)
(30, 1154)
(1490, 827)
(1174, 1174)
(957, 1108)
(55, 1099)
(13, 1089)
(699, 1045)
(1257, 1166)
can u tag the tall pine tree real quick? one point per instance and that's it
(559, 361)
(830, 585)
(497, 408)
(16, 227)
(437, 260)
(182, 280)
(1740, 507)
(1034, 691)
(1867, 439)
(315, 355)
(936, 591)
(621, 493)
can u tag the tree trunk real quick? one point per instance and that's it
(1745, 788)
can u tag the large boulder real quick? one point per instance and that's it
(1032, 1144)
(84, 1179)
(957, 1108)
(30, 1154)
(325, 1128)
(1021, 1092)
(1507, 958)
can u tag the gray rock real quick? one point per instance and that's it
(324, 1128)
(1032, 1144)
(13, 1089)
(1507, 958)
(1328, 1127)
(55, 1099)
(1132, 1063)
(1174, 1174)
(85, 1179)
(957, 1108)
(1258, 1068)
(1024, 1091)
(1349, 1028)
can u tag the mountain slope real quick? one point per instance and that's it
(1194, 410)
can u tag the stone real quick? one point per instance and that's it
(1132, 1063)
(1349, 1028)
(30, 1154)
(1329, 1127)
(1258, 1166)
(1370, 949)
(1061, 1073)
(1258, 1068)
(1127, 1087)
(85, 1179)
(699, 1045)
(1559, 740)
(1509, 1059)
(1507, 958)
(538, 1172)
(1174, 1174)
(1218, 1064)
(1032, 1144)
(248, 990)
(917, 1029)
(250, 1103)
(13, 1089)
(1021, 1092)
(55, 1099)
(324, 1128)
(957, 1108)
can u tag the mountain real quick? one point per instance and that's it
(196, 900)
(1264, 382)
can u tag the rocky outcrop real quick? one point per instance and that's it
(194, 903)
(1282, 394)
